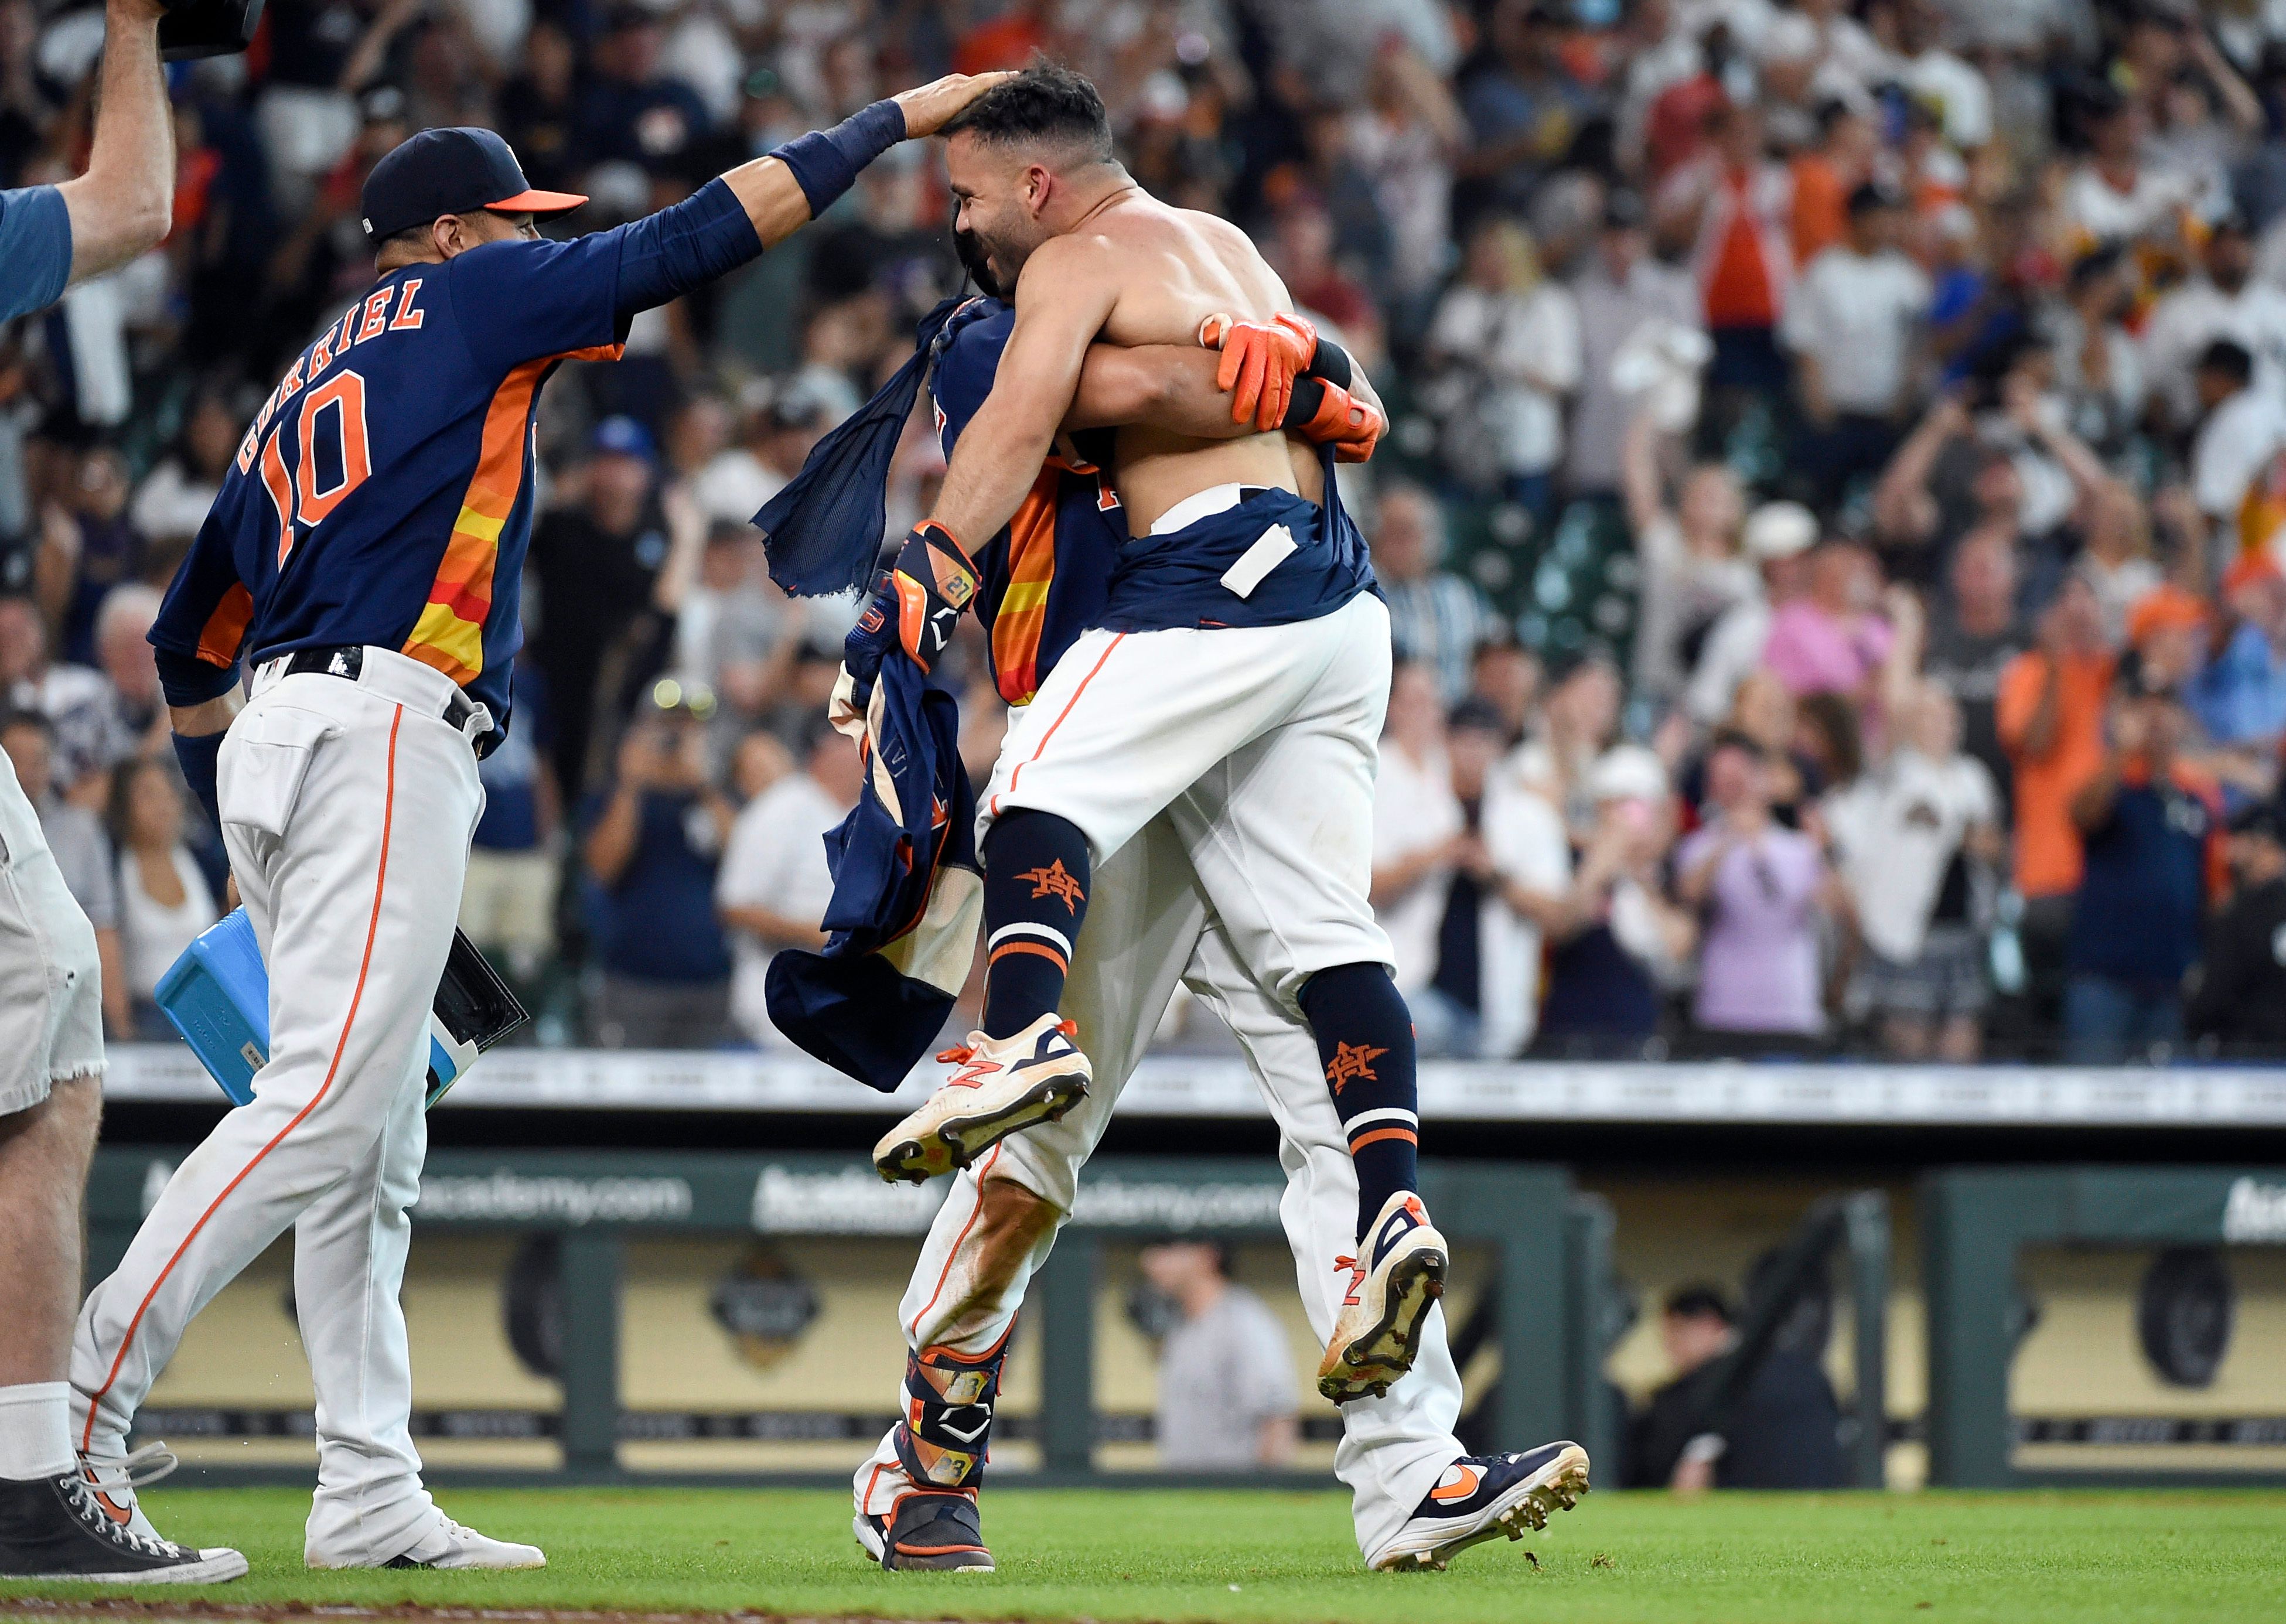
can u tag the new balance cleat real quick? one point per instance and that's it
(927, 1533)
(455, 1548)
(1392, 1285)
(55, 1528)
(1002, 1086)
(1481, 1497)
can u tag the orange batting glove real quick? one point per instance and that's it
(1259, 361)
(1348, 424)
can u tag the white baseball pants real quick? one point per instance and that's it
(1148, 926)
(1258, 743)
(347, 809)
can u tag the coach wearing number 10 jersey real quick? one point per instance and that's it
(362, 562)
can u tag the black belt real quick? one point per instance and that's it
(348, 661)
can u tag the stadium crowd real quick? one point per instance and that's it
(1832, 517)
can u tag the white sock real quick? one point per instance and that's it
(36, 1430)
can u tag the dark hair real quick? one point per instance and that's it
(1698, 1301)
(1044, 105)
(118, 805)
(1836, 720)
(1735, 738)
(25, 717)
(2230, 359)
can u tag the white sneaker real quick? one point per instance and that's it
(1392, 1285)
(451, 1546)
(113, 1479)
(1002, 1086)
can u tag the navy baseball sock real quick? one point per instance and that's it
(1036, 881)
(1365, 1036)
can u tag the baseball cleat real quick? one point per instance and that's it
(1002, 1086)
(454, 1547)
(56, 1528)
(1483, 1496)
(927, 1534)
(1393, 1284)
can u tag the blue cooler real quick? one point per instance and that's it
(217, 995)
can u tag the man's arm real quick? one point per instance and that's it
(125, 202)
(1063, 301)
(783, 192)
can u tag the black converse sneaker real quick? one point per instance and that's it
(1483, 1496)
(56, 1528)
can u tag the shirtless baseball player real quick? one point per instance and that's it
(363, 561)
(1200, 769)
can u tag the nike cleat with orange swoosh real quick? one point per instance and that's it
(1481, 1497)
(1001, 1087)
(1392, 1287)
(113, 1479)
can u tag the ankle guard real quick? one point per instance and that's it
(943, 1440)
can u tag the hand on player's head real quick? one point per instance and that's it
(927, 106)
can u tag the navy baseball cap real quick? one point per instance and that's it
(450, 172)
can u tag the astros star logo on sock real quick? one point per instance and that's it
(1056, 880)
(1352, 1061)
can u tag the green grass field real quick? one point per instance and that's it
(2086, 1556)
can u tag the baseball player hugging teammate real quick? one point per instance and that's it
(1187, 622)
(358, 576)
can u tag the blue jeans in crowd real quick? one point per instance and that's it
(2106, 1021)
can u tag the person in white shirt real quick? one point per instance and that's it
(165, 899)
(1507, 339)
(2245, 427)
(1776, 536)
(1853, 325)
(774, 884)
(2227, 303)
(1416, 829)
(1916, 841)
(1935, 76)
(2116, 196)
(1693, 571)
(1227, 1398)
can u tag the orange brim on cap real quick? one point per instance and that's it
(538, 203)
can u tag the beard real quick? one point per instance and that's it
(977, 260)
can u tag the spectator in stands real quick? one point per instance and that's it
(1504, 678)
(1450, 1009)
(1524, 107)
(136, 723)
(2238, 697)
(1226, 1393)
(1853, 322)
(1419, 837)
(775, 883)
(1829, 639)
(1435, 615)
(1783, 1432)
(653, 843)
(1693, 571)
(1620, 943)
(596, 563)
(631, 109)
(507, 902)
(164, 901)
(81, 849)
(2152, 834)
(73, 698)
(1527, 871)
(1735, 206)
(2227, 302)
(2050, 718)
(1578, 722)
(2241, 430)
(1975, 630)
(172, 499)
(1505, 342)
(1915, 841)
(1776, 536)
(1761, 891)
(1621, 291)
(2238, 992)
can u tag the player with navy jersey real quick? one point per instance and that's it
(1043, 582)
(357, 574)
